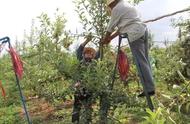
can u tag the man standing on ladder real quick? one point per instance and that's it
(125, 17)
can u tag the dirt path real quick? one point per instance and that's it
(39, 109)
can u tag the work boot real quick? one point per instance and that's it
(151, 93)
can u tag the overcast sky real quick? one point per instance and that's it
(17, 15)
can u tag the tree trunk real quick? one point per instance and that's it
(104, 108)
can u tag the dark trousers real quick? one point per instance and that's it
(139, 50)
(85, 102)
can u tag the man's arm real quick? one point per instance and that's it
(97, 55)
(81, 47)
(88, 39)
(114, 34)
(110, 36)
(79, 52)
(107, 38)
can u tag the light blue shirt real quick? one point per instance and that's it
(125, 17)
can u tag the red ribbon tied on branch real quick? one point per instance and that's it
(2, 89)
(123, 65)
(17, 63)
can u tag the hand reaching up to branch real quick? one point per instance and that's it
(88, 39)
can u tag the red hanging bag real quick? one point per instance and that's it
(123, 65)
(2, 89)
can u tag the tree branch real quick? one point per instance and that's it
(168, 15)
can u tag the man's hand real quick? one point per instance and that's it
(88, 39)
(106, 40)
(109, 36)
(77, 84)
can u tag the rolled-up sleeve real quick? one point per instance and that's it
(115, 18)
